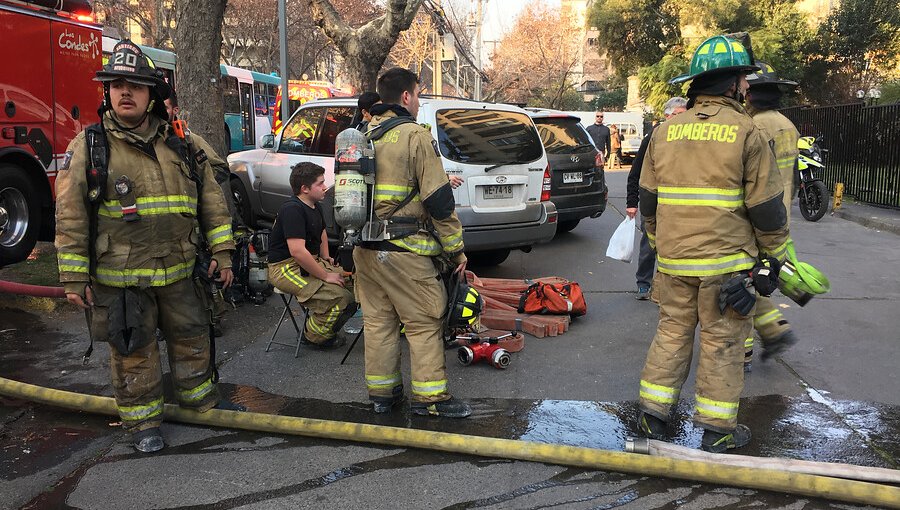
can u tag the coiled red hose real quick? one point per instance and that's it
(25, 289)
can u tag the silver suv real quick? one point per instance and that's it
(503, 204)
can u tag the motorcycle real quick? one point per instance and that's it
(812, 191)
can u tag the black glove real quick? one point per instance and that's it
(736, 293)
(765, 276)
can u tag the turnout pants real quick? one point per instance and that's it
(327, 303)
(395, 287)
(183, 313)
(768, 321)
(684, 302)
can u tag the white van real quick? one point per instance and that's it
(495, 148)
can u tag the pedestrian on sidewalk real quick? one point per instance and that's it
(711, 198)
(615, 148)
(647, 256)
(128, 247)
(600, 135)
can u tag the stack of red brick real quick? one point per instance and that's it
(501, 301)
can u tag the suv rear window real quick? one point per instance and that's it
(563, 135)
(487, 136)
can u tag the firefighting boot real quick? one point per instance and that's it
(779, 344)
(451, 408)
(148, 440)
(717, 442)
(652, 427)
(386, 404)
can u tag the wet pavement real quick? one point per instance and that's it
(832, 399)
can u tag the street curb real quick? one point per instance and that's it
(868, 221)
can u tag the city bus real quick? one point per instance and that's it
(249, 101)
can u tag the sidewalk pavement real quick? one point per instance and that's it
(878, 218)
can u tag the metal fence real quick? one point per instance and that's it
(863, 145)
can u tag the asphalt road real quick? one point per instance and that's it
(831, 398)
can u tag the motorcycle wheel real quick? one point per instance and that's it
(814, 201)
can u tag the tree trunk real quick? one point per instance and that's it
(365, 48)
(198, 44)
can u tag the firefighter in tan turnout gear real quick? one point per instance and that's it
(764, 99)
(396, 278)
(711, 191)
(127, 244)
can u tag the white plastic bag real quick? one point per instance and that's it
(621, 244)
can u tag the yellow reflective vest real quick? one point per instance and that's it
(711, 194)
(159, 248)
(405, 156)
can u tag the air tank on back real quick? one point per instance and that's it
(353, 161)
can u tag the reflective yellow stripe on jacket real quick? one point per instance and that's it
(767, 318)
(218, 235)
(710, 197)
(705, 267)
(149, 206)
(393, 192)
(716, 408)
(154, 277)
(69, 262)
(453, 242)
(420, 245)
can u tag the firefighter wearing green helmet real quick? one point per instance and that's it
(711, 197)
(133, 200)
(764, 96)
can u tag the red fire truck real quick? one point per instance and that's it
(51, 49)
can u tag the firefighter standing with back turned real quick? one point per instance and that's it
(711, 190)
(396, 279)
(127, 244)
(764, 99)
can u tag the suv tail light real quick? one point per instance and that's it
(545, 187)
(598, 160)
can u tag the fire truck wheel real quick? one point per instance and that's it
(20, 215)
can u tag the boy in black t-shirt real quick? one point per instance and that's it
(299, 262)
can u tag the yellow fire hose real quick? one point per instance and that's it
(747, 477)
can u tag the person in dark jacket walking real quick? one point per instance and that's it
(600, 135)
(647, 256)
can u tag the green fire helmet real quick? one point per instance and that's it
(730, 53)
(767, 76)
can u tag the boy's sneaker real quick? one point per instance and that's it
(717, 442)
(643, 293)
(652, 427)
(451, 408)
(148, 440)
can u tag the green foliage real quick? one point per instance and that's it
(655, 88)
(854, 48)
(634, 33)
(890, 92)
(609, 100)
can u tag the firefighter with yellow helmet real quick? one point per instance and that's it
(712, 201)
(396, 276)
(133, 201)
(764, 96)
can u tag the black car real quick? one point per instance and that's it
(578, 185)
